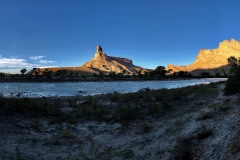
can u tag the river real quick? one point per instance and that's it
(93, 88)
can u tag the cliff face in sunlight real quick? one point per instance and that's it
(213, 61)
(103, 63)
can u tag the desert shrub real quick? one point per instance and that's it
(233, 84)
(204, 133)
(153, 109)
(18, 154)
(128, 154)
(100, 112)
(90, 112)
(85, 112)
(184, 149)
(67, 135)
(235, 146)
(30, 107)
(125, 113)
(205, 116)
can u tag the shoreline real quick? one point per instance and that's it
(97, 80)
(194, 121)
(75, 91)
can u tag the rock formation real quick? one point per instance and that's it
(103, 63)
(212, 61)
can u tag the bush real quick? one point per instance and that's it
(233, 84)
(67, 135)
(124, 113)
(204, 133)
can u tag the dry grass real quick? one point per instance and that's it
(109, 107)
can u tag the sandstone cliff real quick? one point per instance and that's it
(101, 62)
(212, 61)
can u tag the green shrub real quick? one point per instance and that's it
(67, 135)
(100, 112)
(204, 133)
(126, 113)
(233, 84)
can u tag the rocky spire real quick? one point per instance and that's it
(99, 49)
(99, 53)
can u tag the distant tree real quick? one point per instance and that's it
(46, 72)
(235, 64)
(233, 83)
(120, 75)
(71, 75)
(189, 75)
(83, 76)
(50, 73)
(146, 74)
(23, 71)
(217, 74)
(232, 60)
(139, 74)
(205, 74)
(160, 71)
(64, 73)
(174, 74)
(60, 73)
(112, 74)
(76, 74)
(151, 74)
(101, 75)
(2, 75)
(35, 71)
(181, 74)
(94, 75)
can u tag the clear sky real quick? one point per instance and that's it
(38, 33)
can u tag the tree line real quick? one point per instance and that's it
(159, 72)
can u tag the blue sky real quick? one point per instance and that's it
(45, 33)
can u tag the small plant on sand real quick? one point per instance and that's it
(100, 112)
(184, 149)
(144, 128)
(67, 135)
(204, 133)
(124, 113)
(214, 106)
(235, 146)
(224, 108)
(204, 116)
(127, 153)
(18, 154)
(178, 120)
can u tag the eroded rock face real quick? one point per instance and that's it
(104, 63)
(101, 62)
(212, 61)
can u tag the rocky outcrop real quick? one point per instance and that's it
(101, 62)
(104, 63)
(212, 61)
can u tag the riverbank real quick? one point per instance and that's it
(94, 79)
(183, 123)
(92, 88)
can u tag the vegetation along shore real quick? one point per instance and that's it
(195, 122)
(168, 124)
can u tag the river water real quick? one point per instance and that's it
(93, 88)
